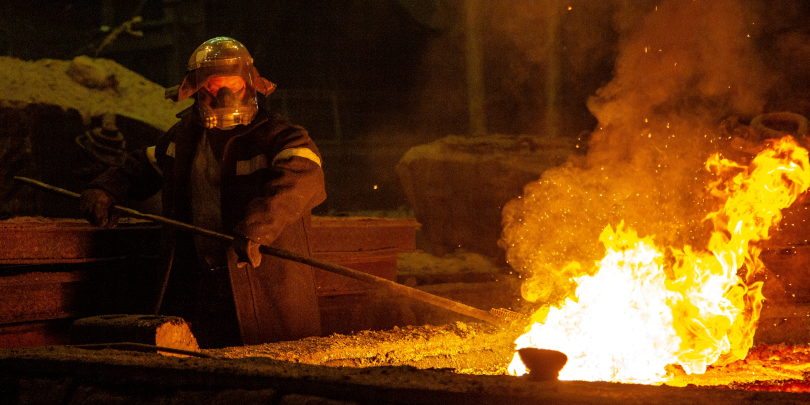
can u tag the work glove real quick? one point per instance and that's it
(95, 206)
(247, 251)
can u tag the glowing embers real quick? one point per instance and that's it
(646, 307)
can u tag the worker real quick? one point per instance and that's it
(227, 166)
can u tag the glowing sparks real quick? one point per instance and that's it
(645, 307)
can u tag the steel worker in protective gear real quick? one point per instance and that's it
(227, 166)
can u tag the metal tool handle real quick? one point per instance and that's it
(285, 254)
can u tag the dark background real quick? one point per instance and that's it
(367, 78)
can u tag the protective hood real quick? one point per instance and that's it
(221, 73)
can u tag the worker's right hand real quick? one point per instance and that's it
(95, 205)
(247, 251)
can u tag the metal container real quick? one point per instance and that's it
(370, 245)
(53, 271)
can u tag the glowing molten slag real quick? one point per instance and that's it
(643, 310)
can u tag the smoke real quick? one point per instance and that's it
(686, 73)
(691, 59)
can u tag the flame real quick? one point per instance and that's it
(643, 307)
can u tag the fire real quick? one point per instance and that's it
(643, 307)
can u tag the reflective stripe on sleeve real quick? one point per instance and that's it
(150, 154)
(300, 152)
(245, 167)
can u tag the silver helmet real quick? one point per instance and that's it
(221, 72)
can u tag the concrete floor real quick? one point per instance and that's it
(61, 375)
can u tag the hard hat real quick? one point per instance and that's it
(221, 72)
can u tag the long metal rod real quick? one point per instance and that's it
(285, 254)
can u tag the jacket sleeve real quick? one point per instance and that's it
(139, 177)
(295, 186)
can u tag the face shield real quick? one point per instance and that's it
(222, 75)
(225, 97)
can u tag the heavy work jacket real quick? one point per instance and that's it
(271, 178)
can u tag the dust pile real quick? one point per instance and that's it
(687, 73)
(466, 348)
(90, 86)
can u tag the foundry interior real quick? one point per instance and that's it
(527, 201)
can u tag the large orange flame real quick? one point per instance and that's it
(645, 307)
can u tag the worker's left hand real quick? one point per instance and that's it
(96, 206)
(247, 251)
